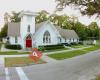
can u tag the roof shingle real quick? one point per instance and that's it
(14, 29)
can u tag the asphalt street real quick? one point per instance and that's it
(83, 67)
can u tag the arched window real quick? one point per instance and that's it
(16, 39)
(60, 40)
(28, 30)
(46, 37)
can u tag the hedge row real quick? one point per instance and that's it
(51, 47)
(15, 47)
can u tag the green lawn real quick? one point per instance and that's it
(79, 46)
(97, 77)
(17, 53)
(56, 50)
(70, 54)
(92, 48)
(13, 53)
(98, 40)
(0, 44)
(21, 61)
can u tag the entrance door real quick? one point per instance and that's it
(28, 41)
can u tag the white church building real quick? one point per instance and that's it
(28, 34)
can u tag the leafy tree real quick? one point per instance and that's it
(61, 20)
(93, 30)
(15, 17)
(80, 29)
(3, 32)
(43, 16)
(89, 7)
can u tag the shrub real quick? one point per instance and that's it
(41, 48)
(52, 47)
(80, 42)
(73, 43)
(66, 44)
(16, 47)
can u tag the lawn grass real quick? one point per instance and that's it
(20, 61)
(97, 77)
(13, 53)
(56, 50)
(92, 48)
(65, 55)
(79, 46)
(98, 40)
(70, 54)
(0, 44)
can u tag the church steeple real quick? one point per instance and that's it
(27, 24)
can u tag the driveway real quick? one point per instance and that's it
(83, 67)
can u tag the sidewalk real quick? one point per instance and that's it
(44, 57)
(66, 50)
(1, 61)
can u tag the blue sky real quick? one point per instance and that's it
(36, 6)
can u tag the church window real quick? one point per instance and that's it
(65, 39)
(60, 39)
(16, 39)
(8, 38)
(46, 37)
(28, 28)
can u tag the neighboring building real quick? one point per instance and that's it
(29, 35)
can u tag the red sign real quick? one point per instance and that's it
(35, 55)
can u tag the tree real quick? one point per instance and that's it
(93, 30)
(3, 32)
(15, 17)
(43, 16)
(61, 20)
(80, 29)
(88, 7)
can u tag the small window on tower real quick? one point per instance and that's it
(28, 28)
(16, 39)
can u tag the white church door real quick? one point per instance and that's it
(29, 41)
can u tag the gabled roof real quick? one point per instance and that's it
(65, 33)
(29, 13)
(13, 29)
(39, 25)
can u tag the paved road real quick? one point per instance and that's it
(83, 67)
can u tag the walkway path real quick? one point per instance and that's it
(66, 50)
(44, 57)
(1, 61)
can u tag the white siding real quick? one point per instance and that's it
(25, 21)
(12, 40)
(39, 37)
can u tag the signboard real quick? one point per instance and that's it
(35, 55)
